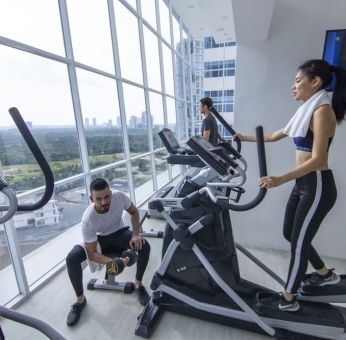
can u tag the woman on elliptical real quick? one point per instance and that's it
(312, 128)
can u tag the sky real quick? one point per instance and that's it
(39, 87)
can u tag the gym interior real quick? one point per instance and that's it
(95, 82)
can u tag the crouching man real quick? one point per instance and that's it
(102, 223)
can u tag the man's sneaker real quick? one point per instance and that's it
(75, 312)
(278, 301)
(322, 280)
(142, 294)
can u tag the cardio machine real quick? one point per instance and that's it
(199, 273)
(188, 162)
(13, 207)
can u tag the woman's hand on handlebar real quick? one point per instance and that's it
(267, 182)
(239, 136)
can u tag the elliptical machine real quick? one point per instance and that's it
(13, 207)
(199, 273)
(185, 158)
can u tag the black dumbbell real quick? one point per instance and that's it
(131, 255)
(115, 267)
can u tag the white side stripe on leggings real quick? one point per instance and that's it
(302, 233)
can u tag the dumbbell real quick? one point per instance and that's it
(131, 255)
(116, 266)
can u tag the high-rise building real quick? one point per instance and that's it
(94, 122)
(86, 122)
(133, 123)
(213, 76)
(144, 119)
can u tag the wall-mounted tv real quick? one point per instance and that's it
(334, 50)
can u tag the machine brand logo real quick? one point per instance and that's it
(181, 269)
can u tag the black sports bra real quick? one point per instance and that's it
(305, 143)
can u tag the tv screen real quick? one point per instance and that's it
(335, 49)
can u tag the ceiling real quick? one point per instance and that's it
(236, 20)
(207, 18)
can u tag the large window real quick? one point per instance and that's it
(75, 72)
(90, 33)
(128, 43)
(171, 114)
(165, 21)
(149, 11)
(40, 89)
(152, 59)
(161, 165)
(102, 124)
(35, 23)
(157, 117)
(142, 178)
(9, 288)
(168, 69)
(176, 34)
(136, 118)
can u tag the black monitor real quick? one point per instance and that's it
(170, 142)
(205, 151)
(334, 50)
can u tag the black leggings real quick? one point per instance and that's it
(114, 243)
(311, 199)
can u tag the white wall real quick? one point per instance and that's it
(264, 75)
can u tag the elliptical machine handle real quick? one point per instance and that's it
(226, 126)
(7, 191)
(262, 170)
(37, 153)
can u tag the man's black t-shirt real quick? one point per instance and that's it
(209, 123)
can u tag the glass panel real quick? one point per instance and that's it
(9, 287)
(40, 89)
(149, 12)
(164, 21)
(90, 33)
(128, 42)
(152, 59)
(100, 108)
(179, 79)
(116, 177)
(142, 179)
(175, 170)
(38, 231)
(168, 69)
(186, 47)
(136, 117)
(22, 21)
(162, 175)
(181, 120)
(187, 81)
(191, 128)
(176, 34)
(157, 117)
(171, 114)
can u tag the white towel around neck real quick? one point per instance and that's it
(299, 124)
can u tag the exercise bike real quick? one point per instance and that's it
(199, 273)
